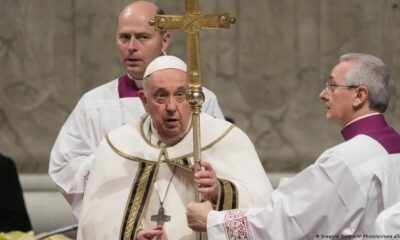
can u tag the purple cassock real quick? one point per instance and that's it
(376, 127)
(127, 87)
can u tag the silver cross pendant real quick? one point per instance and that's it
(161, 217)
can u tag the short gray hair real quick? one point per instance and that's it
(372, 73)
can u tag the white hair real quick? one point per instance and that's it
(372, 73)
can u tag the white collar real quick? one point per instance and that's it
(139, 83)
(153, 137)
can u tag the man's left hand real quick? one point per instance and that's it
(196, 214)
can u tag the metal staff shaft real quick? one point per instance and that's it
(195, 95)
(191, 23)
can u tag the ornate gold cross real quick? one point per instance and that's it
(191, 23)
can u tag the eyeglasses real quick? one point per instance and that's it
(331, 86)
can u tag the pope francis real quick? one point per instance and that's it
(142, 177)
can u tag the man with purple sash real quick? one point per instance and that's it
(375, 126)
(341, 194)
(113, 104)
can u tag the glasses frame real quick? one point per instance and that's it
(332, 86)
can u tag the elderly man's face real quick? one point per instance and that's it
(339, 99)
(165, 101)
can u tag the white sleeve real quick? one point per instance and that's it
(210, 105)
(242, 167)
(72, 156)
(323, 199)
(388, 221)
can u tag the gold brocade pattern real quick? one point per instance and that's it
(228, 197)
(138, 198)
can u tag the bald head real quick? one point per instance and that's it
(143, 9)
(137, 42)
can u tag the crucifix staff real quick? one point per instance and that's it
(191, 23)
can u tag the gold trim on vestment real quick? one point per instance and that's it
(124, 155)
(228, 197)
(164, 153)
(137, 202)
(177, 161)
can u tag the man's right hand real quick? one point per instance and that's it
(150, 233)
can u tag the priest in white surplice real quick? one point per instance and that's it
(113, 104)
(341, 194)
(142, 179)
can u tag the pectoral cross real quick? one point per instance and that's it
(160, 218)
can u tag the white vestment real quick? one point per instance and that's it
(127, 181)
(97, 113)
(388, 222)
(341, 194)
